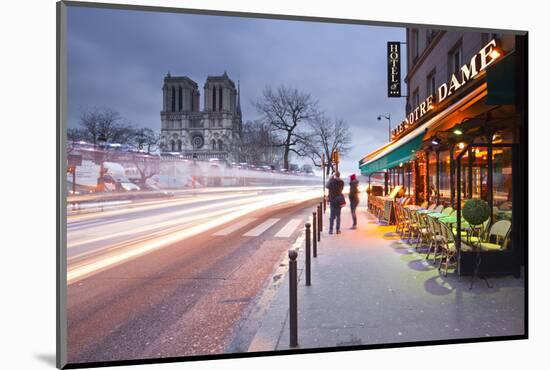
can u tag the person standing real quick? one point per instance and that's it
(336, 200)
(353, 198)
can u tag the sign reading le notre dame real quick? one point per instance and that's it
(394, 69)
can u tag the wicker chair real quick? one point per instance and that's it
(436, 239)
(449, 246)
(500, 230)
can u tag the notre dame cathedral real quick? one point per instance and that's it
(210, 133)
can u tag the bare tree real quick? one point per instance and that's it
(146, 165)
(325, 137)
(145, 139)
(257, 144)
(106, 123)
(285, 110)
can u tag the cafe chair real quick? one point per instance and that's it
(436, 239)
(500, 231)
(411, 223)
(449, 247)
(424, 205)
(439, 208)
(432, 206)
(447, 211)
(424, 232)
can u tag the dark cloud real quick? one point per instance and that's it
(118, 58)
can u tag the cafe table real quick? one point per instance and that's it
(448, 219)
(437, 215)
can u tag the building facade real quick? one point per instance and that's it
(201, 134)
(464, 135)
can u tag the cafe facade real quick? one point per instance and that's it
(464, 135)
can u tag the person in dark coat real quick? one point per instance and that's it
(335, 187)
(353, 198)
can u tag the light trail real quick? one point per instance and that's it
(216, 218)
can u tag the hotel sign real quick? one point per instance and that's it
(478, 63)
(394, 69)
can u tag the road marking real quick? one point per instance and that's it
(289, 228)
(234, 227)
(262, 227)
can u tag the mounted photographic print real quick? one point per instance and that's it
(238, 185)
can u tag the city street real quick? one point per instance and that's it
(172, 277)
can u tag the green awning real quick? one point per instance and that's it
(501, 81)
(401, 154)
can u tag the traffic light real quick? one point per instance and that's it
(335, 157)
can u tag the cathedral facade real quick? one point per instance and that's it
(202, 134)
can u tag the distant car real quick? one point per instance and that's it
(129, 186)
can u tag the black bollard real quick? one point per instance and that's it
(324, 204)
(308, 254)
(319, 222)
(293, 298)
(315, 233)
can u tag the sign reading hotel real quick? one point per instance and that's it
(394, 69)
(479, 62)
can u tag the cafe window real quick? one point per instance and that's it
(455, 59)
(444, 177)
(502, 183)
(432, 178)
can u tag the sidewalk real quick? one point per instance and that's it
(368, 287)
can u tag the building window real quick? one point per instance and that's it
(192, 110)
(173, 99)
(214, 98)
(179, 145)
(173, 145)
(414, 45)
(220, 145)
(213, 144)
(486, 37)
(180, 102)
(415, 99)
(430, 83)
(455, 59)
(221, 98)
(430, 35)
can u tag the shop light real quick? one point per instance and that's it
(457, 132)
(461, 145)
(494, 54)
(436, 141)
(401, 164)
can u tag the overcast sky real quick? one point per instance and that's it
(118, 59)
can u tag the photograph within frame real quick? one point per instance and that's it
(184, 235)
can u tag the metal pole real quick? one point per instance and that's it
(74, 180)
(293, 298)
(308, 254)
(389, 127)
(314, 221)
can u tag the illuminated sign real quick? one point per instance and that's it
(394, 69)
(479, 62)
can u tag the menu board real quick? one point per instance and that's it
(388, 206)
(395, 191)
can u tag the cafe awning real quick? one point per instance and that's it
(393, 155)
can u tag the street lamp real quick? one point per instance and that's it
(101, 142)
(388, 117)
